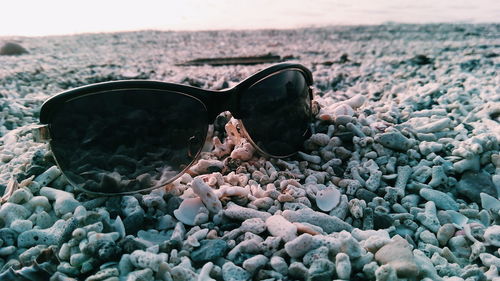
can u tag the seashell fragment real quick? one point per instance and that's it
(327, 199)
(457, 219)
(187, 211)
(207, 195)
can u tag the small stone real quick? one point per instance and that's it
(429, 237)
(382, 221)
(425, 266)
(7, 251)
(492, 235)
(365, 194)
(144, 274)
(108, 251)
(298, 271)
(134, 222)
(398, 254)
(489, 260)
(321, 269)
(489, 202)
(429, 217)
(279, 264)
(143, 259)
(255, 263)
(204, 166)
(420, 60)
(473, 183)
(209, 250)
(343, 266)
(129, 244)
(104, 274)
(386, 272)
(311, 256)
(278, 226)
(206, 194)
(231, 272)
(328, 223)
(253, 225)
(459, 245)
(300, 245)
(394, 140)
(173, 204)
(442, 200)
(444, 233)
(237, 212)
(8, 236)
(12, 49)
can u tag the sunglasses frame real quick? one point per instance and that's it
(215, 102)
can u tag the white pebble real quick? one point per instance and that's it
(278, 226)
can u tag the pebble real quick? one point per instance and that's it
(429, 237)
(64, 201)
(300, 245)
(204, 166)
(49, 236)
(321, 269)
(298, 271)
(104, 274)
(143, 259)
(425, 267)
(278, 226)
(12, 49)
(492, 235)
(398, 254)
(314, 254)
(255, 263)
(209, 250)
(489, 202)
(10, 212)
(232, 272)
(208, 197)
(343, 266)
(442, 200)
(429, 217)
(237, 212)
(382, 221)
(489, 260)
(365, 194)
(328, 223)
(445, 232)
(472, 184)
(394, 140)
(279, 265)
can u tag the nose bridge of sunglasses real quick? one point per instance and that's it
(221, 101)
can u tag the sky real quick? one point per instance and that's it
(56, 17)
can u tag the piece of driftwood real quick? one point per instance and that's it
(268, 58)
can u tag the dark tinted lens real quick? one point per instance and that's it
(276, 112)
(127, 140)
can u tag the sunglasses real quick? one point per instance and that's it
(125, 137)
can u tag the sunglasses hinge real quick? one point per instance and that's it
(40, 133)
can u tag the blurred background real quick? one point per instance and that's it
(55, 17)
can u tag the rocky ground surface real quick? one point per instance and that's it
(400, 182)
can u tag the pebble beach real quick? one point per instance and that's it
(400, 180)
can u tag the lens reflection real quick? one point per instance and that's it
(276, 112)
(127, 140)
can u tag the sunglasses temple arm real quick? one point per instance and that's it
(40, 133)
